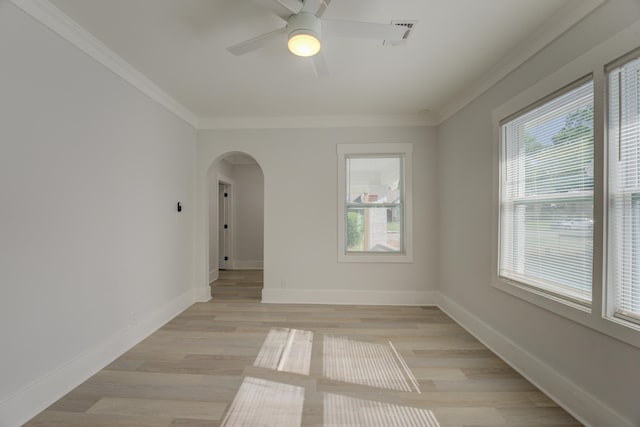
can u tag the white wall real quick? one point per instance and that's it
(300, 217)
(554, 351)
(248, 212)
(225, 169)
(93, 254)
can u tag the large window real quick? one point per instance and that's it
(374, 208)
(567, 191)
(546, 195)
(624, 188)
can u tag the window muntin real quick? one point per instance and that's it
(624, 189)
(546, 196)
(374, 205)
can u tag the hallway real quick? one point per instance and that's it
(233, 361)
(238, 285)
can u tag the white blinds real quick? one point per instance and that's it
(546, 217)
(624, 187)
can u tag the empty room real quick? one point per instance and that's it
(320, 213)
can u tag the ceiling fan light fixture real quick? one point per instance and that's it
(303, 43)
(304, 34)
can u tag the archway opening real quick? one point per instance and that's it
(236, 227)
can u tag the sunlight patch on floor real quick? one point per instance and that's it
(370, 364)
(286, 350)
(265, 403)
(344, 410)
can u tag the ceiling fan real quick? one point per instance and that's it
(305, 27)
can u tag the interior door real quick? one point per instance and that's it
(223, 226)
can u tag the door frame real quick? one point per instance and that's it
(228, 235)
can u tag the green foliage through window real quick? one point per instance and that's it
(355, 230)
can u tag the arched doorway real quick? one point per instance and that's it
(236, 227)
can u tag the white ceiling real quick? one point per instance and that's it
(180, 46)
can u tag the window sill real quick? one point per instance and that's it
(546, 300)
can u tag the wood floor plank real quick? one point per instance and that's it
(50, 418)
(385, 362)
(159, 408)
(468, 416)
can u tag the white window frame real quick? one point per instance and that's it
(527, 282)
(611, 286)
(591, 62)
(345, 151)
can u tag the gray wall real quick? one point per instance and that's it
(607, 369)
(248, 212)
(300, 217)
(91, 243)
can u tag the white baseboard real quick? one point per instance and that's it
(247, 265)
(332, 296)
(202, 294)
(32, 399)
(35, 397)
(578, 402)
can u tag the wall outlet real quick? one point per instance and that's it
(134, 319)
(283, 283)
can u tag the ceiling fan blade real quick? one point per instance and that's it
(320, 68)
(282, 8)
(314, 6)
(363, 30)
(293, 6)
(254, 43)
(323, 8)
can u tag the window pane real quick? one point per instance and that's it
(373, 180)
(546, 220)
(624, 187)
(553, 247)
(373, 229)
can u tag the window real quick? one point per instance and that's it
(374, 209)
(567, 191)
(374, 204)
(546, 195)
(624, 188)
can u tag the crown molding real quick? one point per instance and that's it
(50, 16)
(47, 14)
(65, 27)
(568, 16)
(303, 122)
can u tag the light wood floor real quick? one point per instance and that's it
(233, 361)
(238, 285)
